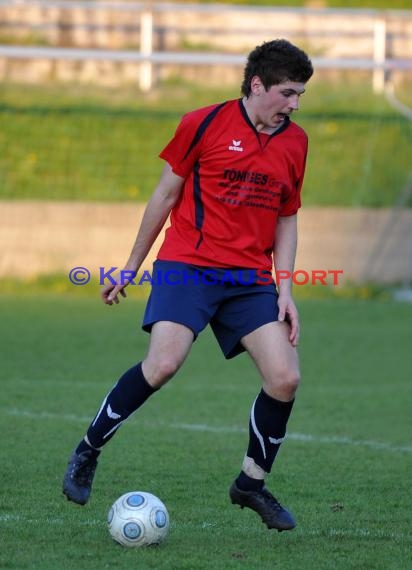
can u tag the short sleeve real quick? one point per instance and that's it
(178, 152)
(291, 199)
(184, 150)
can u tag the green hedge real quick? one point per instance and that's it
(80, 144)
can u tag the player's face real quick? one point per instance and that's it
(276, 103)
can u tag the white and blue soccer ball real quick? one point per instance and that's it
(138, 519)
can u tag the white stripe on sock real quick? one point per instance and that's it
(255, 429)
(100, 411)
(113, 429)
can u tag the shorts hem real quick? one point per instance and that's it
(147, 326)
(237, 348)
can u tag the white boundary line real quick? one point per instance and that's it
(354, 533)
(363, 533)
(300, 437)
(375, 445)
(16, 518)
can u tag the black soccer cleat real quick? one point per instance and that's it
(266, 505)
(78, 479)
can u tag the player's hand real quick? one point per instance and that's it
(110, 292)
(289, 313)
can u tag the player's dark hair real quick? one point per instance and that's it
(276, 62)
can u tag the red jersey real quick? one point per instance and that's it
(237, 182)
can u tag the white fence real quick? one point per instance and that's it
(380, 41)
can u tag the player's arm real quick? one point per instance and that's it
(284, 255)
(157, 211)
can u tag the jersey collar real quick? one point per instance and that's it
(284, 126)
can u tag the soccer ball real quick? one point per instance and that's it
(138, 519)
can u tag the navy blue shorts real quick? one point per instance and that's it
(230, 300)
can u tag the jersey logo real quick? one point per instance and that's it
(236, 146)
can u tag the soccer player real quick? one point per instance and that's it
(232, 182)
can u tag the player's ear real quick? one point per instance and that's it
(256, 85)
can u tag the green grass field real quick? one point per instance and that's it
(79, 143)
(344, 471)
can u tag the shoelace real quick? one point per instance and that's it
(85, 470)
(274, 502)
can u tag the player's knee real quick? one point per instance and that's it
(162, 370)
(284, 384)
(291, 383)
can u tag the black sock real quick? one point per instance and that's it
(84, 446)
(267, 428)
(130, 392)
(246, 483)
